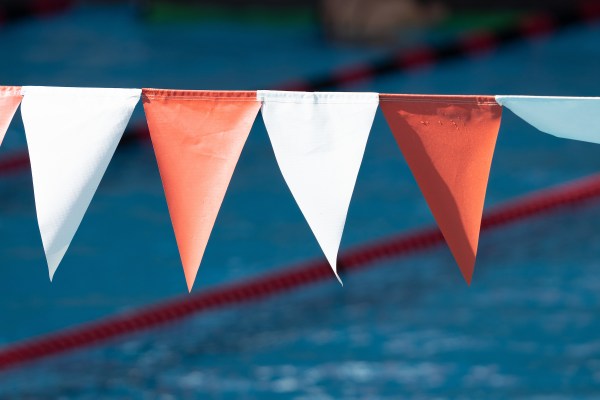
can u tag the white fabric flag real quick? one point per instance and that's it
(71, 134)
(566, 117)
(319, 140)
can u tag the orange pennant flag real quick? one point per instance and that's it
(448, 142)
(198, 137)
(10, 98)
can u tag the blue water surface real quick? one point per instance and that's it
(404, 329)
(525, 327)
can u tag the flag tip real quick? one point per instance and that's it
(338, 278)
(52, 267)
(333, 264)
(53, 259)
(190, 285)
(468, 276)
(190, 278)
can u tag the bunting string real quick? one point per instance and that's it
(318, 139)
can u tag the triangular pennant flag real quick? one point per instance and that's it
(319, 140)
(448, 143)
(10, 98)
(198, 137)
(575, 118)
(72, 134)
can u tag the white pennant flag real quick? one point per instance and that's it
(319, 140)
(566, 117)
(71, 134)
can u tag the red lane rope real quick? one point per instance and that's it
(14, 162)
(354, 259)
(270, 284)
(472, 43)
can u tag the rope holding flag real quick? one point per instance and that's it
(72, 134)
(448, 143)
(576, 118)
(10, 98)
(198, 137)
(319, 140)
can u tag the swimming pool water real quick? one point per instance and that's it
(524, 328)
(404, 329)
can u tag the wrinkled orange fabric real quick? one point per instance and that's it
(197, 137)
(448, 143)
(10, 98)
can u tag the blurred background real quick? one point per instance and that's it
(406, 328)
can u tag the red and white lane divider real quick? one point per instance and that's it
(270, 284)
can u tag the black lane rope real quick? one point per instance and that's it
(472, 43)
(19, 10)
(529, 26)
(569, 194)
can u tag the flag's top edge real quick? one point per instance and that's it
(10, 90)
(503, 98)
(434, 98)
(238, 95)
(279, 96)
(60, 90)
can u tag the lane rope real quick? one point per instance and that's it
(472, 43)
(366, 256)
(362, 257)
